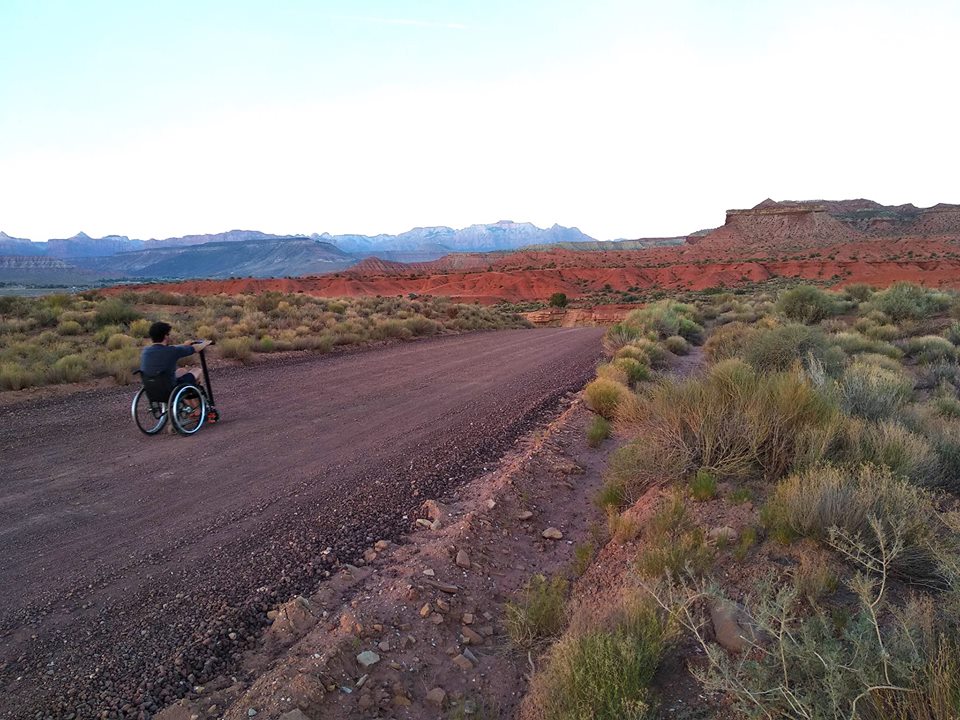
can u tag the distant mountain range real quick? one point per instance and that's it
(240, 253)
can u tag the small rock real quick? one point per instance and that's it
(732, 626)
(491, 504)
(463, 560)
(381, 545)
(384, 646)
(442, 586)
(272, 615)
(429, 572)
(525, 515)
(401, 701)
(426, 610)
(462, 662)
(470, 656)
(424, 523)
(251, 712)
(362, 681)
(724, 535)
(551, 533)
(436, 618)
(436, 511)
(368, 658)
(442, 605)
(471, 636)
(467, 619)
(487, 631)
(369, 555)
(437, 697)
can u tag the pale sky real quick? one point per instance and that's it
(625, 119)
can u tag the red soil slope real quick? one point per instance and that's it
(834, 242)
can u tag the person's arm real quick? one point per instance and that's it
(201, 345)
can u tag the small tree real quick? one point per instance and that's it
(558, 299)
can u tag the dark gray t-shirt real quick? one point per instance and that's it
(159, 359)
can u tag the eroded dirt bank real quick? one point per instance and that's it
(137, 568)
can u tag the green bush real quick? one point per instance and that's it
(635, 371)
(236, 348)
(930, 349)
(859, 292)
(807, 304)
(663, 319)
(115, 312)
(728, 341)
(905, 300)
(15, 377)
(141, 328)
(119, 340)
(907, 454)
(704, 485)
(558, 299)
(619, 335)
(855, 343)
(69, 327)
(673, 544)
(421, 326)
(779, 347)
(69, 369)
(952, 333)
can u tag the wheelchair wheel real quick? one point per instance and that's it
(149, 416)
(188, 405)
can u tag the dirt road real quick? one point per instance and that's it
(135, 567)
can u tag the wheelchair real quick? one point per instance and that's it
(187, 406)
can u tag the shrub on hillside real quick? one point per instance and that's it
(558, 299)
(237, 348)
(598, 431)
(14, 376)
(115, 312)
(952, 333)
(807, 304)
(855, 343)
(907, 454)
(664, 318)
(69, 369)
(930, 349)
(635, 371)
(69, 327)
(859, 292)
(677, 345)
(619, 335)
(539, 613)
(728, 341)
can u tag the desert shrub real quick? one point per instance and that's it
(657, 356)
(612, 372)
(703, 486)
(807, 304)
(673, 545)
(237, 348)
(632, 352)
(141, 328)
(598, 431)
(859, 291)
(733, 421)
(13, 376)
(265, 344)
(818, 665)
(663, 319)
(69, 327)
(619, 335)
(952, 333)
(115, 312)
(905, 300)
(936, 375)
(907, 454)
(68, 369)
(392, 329)
(582, 557)
(421, 326)
(640, 464)
(612, 494)
(930, 349)
(677, 345)
(603, 396)
(883, 361)
(119, 364)
(872, 392)
(947, 406)
(622, 526)
(558, 299)
(690, 331)
(855, 343)
(779, 347)
(539, 612)
(119, 340)
(603, 671)
(813, 577)
(865, 502)
(728, 341)
(885, 333)
(635, 371)
(944, 434)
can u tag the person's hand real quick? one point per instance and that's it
(201, 345)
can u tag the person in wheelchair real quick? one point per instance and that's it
(158, 361)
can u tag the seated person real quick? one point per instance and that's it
(161, 357)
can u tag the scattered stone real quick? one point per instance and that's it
(368, 658)
(251, 712)
(467, 619)
(384, 646)
(442, 586)
(426, 610)
(487, 631)
(525, 515)
(463, 560)
(442, 605)
(491, 504)
(362, 681)
(401, 701)
(436, 511)
(463, 662)
(551, 533)
(724, 535)
(470, 656)
(471, 636)
(437, 697)
(381, 545)
(369, 555)
(424, 523)
(272, 615)
(436, 618)
(429, 572)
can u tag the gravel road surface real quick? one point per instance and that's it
(134, 568)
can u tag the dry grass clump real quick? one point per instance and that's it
(603, 670)
(905, 300)
(673, 545)
(907, 454)
(930, 349)
(865, 505)
(237, 348)
(620, 335)
(733, 421)
(598, 431)
(668, 317)
(677, 345)
(634, 370)
(778, 348)
(612, 372)
(728, 341)
(855, 343)
(539, 613)
(869, 391)
(603, 396)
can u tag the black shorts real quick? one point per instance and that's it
(186, 379)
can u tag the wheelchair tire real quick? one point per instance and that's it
(149, 416)
(186, 417)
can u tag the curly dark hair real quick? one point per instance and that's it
(159, 330)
